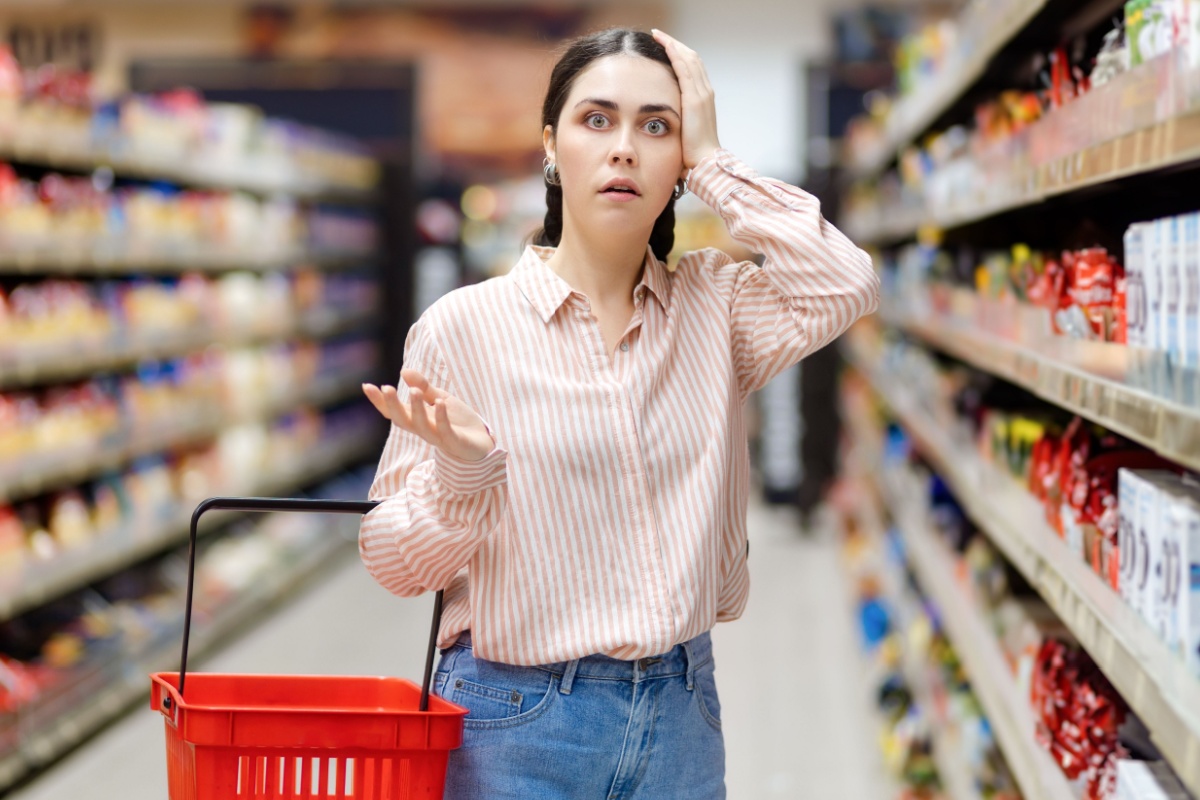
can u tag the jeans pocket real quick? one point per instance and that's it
(706, 695)
(501, 703)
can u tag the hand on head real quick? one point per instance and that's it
(699, 105)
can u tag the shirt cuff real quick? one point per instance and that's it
(459, 476)
(716, 176)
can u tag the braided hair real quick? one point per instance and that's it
(579, 55)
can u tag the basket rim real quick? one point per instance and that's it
(160, 679)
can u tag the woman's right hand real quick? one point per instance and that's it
(433, 414)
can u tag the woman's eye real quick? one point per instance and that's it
(656, 127)
(596, 120)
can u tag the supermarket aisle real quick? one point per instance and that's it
(795, 713)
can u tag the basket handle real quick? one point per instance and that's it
(288, 504)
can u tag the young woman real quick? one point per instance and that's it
(568, 458)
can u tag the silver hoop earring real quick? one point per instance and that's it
(550, 171)
(681, 188)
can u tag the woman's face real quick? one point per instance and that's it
(618, 145)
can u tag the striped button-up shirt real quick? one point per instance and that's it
(611, 516)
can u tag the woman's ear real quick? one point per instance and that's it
(548, 141)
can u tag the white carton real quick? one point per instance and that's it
(1172, 306)
(1159, 607)
(1146, 780)
(1190, 289)
(1128, 486)
(1189, 275)
(1152, 279)
(1135, 286)
(1137, 240)
(1146, 548)
(1183, 536)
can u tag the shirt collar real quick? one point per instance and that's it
(547, 292)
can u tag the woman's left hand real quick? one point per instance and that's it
(699, 107)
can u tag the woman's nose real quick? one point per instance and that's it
(623, 150)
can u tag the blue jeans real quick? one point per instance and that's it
(596, 727)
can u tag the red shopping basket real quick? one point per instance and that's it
(274, 737)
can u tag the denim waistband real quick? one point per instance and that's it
(682, 659)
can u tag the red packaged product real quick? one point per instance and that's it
(1098, 513)
(1091, 287)
(1119, 329)
(1077, 712)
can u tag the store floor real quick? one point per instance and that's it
(795, 706)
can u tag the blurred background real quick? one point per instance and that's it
(218, 218)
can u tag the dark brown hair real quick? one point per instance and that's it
(579, 55)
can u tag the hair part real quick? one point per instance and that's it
(579, 55)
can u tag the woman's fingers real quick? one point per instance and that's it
(418, 381)
(376, 397)
(441, 413)
(420, 415)
(699, 109)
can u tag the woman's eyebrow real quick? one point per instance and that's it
(649, 108)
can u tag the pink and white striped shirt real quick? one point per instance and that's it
(611, 517)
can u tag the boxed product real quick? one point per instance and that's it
(1190, 329)
(1180, 589)
(1149, 29)
(1138, 504)
(1138, 239)
(1153, 504)
(1147, 780)
(1171, 307)
(1152, 277)
(1135, 287)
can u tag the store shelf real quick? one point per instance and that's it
(82, 463)
(1152, 680)
(80, 567)
(1171, 143)
(1009, 714)
(912, 115)
(99, 260)
(26, 366)
(956, 777)
(242, 177)
(1087, 378)
(49, 739)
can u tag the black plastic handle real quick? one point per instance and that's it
(290, 504)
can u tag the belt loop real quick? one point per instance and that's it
(568, 678)
(691, 665)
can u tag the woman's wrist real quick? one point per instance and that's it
(703, 154)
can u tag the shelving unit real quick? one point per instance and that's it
(1173, 142)
(108, 682)
(995, 687)
(77, 568)
(27, 366)
(102, 261)
(81, 463)
(246, 178)
(1087, 378)
(45, 739)
(1151, 679)
(952, 770)
(1139, 130)
(985, 31)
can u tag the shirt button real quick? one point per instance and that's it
(624, 347)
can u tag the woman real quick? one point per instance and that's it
(592, 531)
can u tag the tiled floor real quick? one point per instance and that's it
(794, 704)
